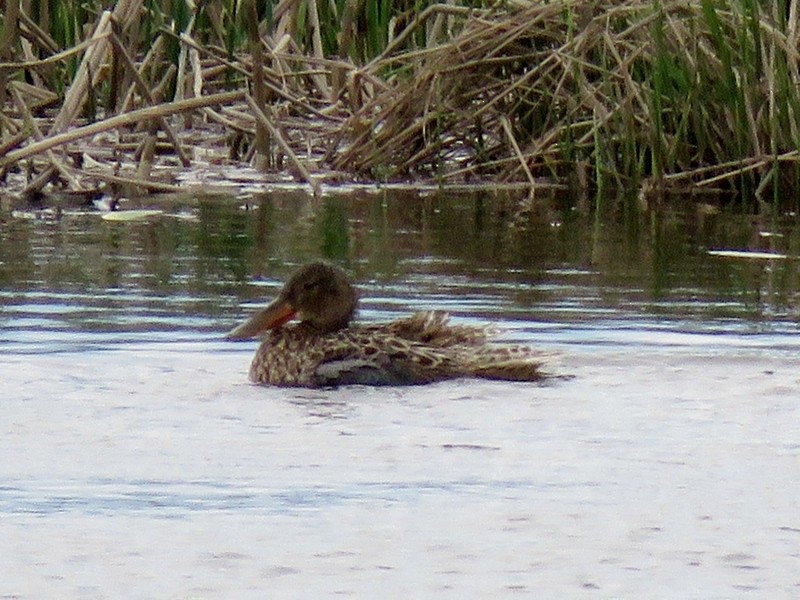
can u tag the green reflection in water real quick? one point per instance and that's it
(546, 252)
(333, 230)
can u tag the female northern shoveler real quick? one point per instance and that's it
(325, 349)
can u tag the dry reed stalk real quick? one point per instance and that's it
(145, 92)
(154, 55)
(281, 141)
(55, 163)
(513, 142)
(94, 57)
(15, 140)
(134, 183)
(285, 25)
(9, 35)
(229, 124)
(35, 97)
(123, 120)
(259, 99)
(339, 73)
(316, 38)
(53, 59)
(161, 89)
(144, 155)
(297, 98)
(38, 35)
(185, 88)
(90, 70)
(398, 41)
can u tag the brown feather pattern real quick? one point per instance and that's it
(325, 348)
(422, 348)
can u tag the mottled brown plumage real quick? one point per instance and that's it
(325, 349)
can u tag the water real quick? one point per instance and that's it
(138, 462)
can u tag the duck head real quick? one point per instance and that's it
(319, 294)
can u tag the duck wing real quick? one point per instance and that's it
(380, 370)
(380, 355)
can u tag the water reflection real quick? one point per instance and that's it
(131, 430)
(474, 254)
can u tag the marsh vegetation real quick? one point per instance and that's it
(651, 96)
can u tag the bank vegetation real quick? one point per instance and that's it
(661, 95)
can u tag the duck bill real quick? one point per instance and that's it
(273, 316)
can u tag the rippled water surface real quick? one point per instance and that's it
(138, 462)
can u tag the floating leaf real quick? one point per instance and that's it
(751, 254)
(131, 215)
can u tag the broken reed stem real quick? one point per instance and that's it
(511, 140)
(9, 34)
(123, 120)
(145, 153)
(13, 142)
(95, 55)
(55, 163)
(401, 38)
(300, 103)
(40, 36)
(145, 92)
(316, 38)
(298, 164)
(135, 182)
(262, 140)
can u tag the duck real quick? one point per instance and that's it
(309, 339)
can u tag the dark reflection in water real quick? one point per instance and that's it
(190, 270)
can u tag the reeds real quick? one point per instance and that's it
(664, 93)
(656, 95)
